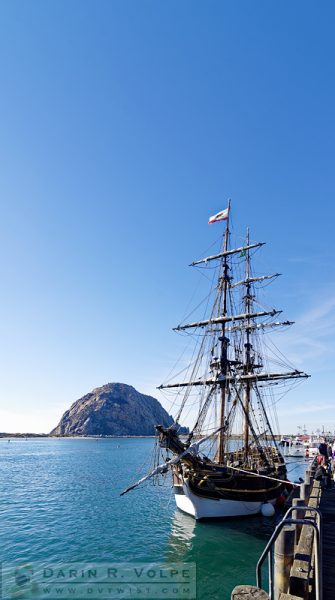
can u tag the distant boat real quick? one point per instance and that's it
(292, 447)
(312, 448)
(215, 472)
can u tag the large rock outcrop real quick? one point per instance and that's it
(113, 409)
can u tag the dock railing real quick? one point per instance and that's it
(281, 556)
(294, 551)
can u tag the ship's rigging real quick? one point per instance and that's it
(229, 380)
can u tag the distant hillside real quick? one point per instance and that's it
(113, 409)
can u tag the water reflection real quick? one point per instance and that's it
(182, 533)
(225, 552)
(188, 537)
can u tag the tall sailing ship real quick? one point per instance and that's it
(229, 464)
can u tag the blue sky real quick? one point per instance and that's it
(124, 125)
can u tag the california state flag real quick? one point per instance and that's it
(220, 216)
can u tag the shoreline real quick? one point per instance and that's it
(97, 437)
(69, 437)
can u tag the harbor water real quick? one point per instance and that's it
(60, 503)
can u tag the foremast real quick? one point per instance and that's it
(248, 367)
(224, 282)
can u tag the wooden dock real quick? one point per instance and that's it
(297, 557)
(327, 507)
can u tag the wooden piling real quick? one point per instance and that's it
(298, 514)
(248, 592)
(303, 492)
(289, 597)
(305, 488)
(283, 560)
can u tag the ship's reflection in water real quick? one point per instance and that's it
(225, 552)
(182, 534)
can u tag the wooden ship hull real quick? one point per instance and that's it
(205, 506)
(215, 491)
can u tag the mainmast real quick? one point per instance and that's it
(224, 341)
(248, 364)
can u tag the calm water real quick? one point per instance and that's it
(60, 502)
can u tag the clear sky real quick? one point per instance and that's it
(124, 125)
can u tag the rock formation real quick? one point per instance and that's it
(113, 409)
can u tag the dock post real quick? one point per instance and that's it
(298, 514)
(303, 491)
(248, 592)
(305, 488)
(308, 482)
(283, 560)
